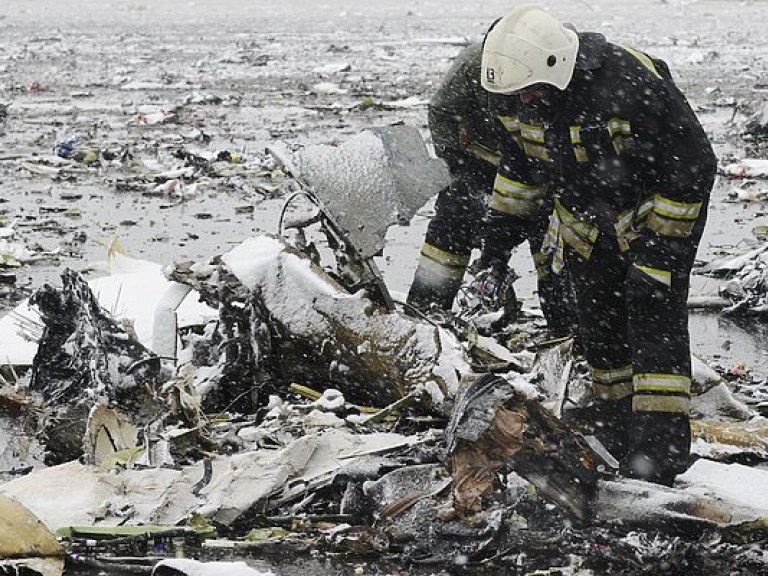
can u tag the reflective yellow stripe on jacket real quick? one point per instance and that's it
(565, 228)
(512, 125)
(620, 131)
(630, 222)
(672, 218)
(515, 198)
(579, 235)
(644, 59)
(533, 141)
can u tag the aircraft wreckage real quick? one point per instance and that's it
(274, 400)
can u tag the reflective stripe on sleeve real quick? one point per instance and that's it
(662, 276)
(513, 206)
(670, 227)
(672, 209)
(514, 189)
(515, 198)
(672, 218)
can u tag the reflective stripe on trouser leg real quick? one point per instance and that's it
(438, 278)
(661, 393)
(451, 235)
(602, 312)
(611, 384)
(658, 330)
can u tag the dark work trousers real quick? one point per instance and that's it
(633, 320)
(451, 235)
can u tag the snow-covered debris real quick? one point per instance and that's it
(746, 280)
(373, 180)
(757, 123)
(747, 168)
(187, 567)
(290, 297)
(332, 68)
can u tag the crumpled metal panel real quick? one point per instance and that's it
(375, 179)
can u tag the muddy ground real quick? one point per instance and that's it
(302, 72)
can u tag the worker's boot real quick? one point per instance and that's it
(659, 448)
(608, 421)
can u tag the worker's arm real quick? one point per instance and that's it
(675, 160)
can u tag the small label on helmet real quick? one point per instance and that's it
(490, 75)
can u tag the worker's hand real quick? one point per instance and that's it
(494, 287)
(487, 282)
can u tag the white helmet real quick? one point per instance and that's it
(525, 47)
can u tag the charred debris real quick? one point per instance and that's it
(303, 417)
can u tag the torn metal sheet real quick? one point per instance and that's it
(716, 439)
(226, 489)
(260, 479)
(103, 498)
(23, 535)
(709, 493)
(285, 320)
(372, 181)
(551, 373)
(188, 567)
(135, 292)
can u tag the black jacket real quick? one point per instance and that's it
(460, 116)
(619, 147)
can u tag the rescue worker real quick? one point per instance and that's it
(468, 137)
(603, 130)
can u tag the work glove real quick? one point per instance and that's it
(494, 288)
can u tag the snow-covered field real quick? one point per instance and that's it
(164, 84)
(302, 72)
